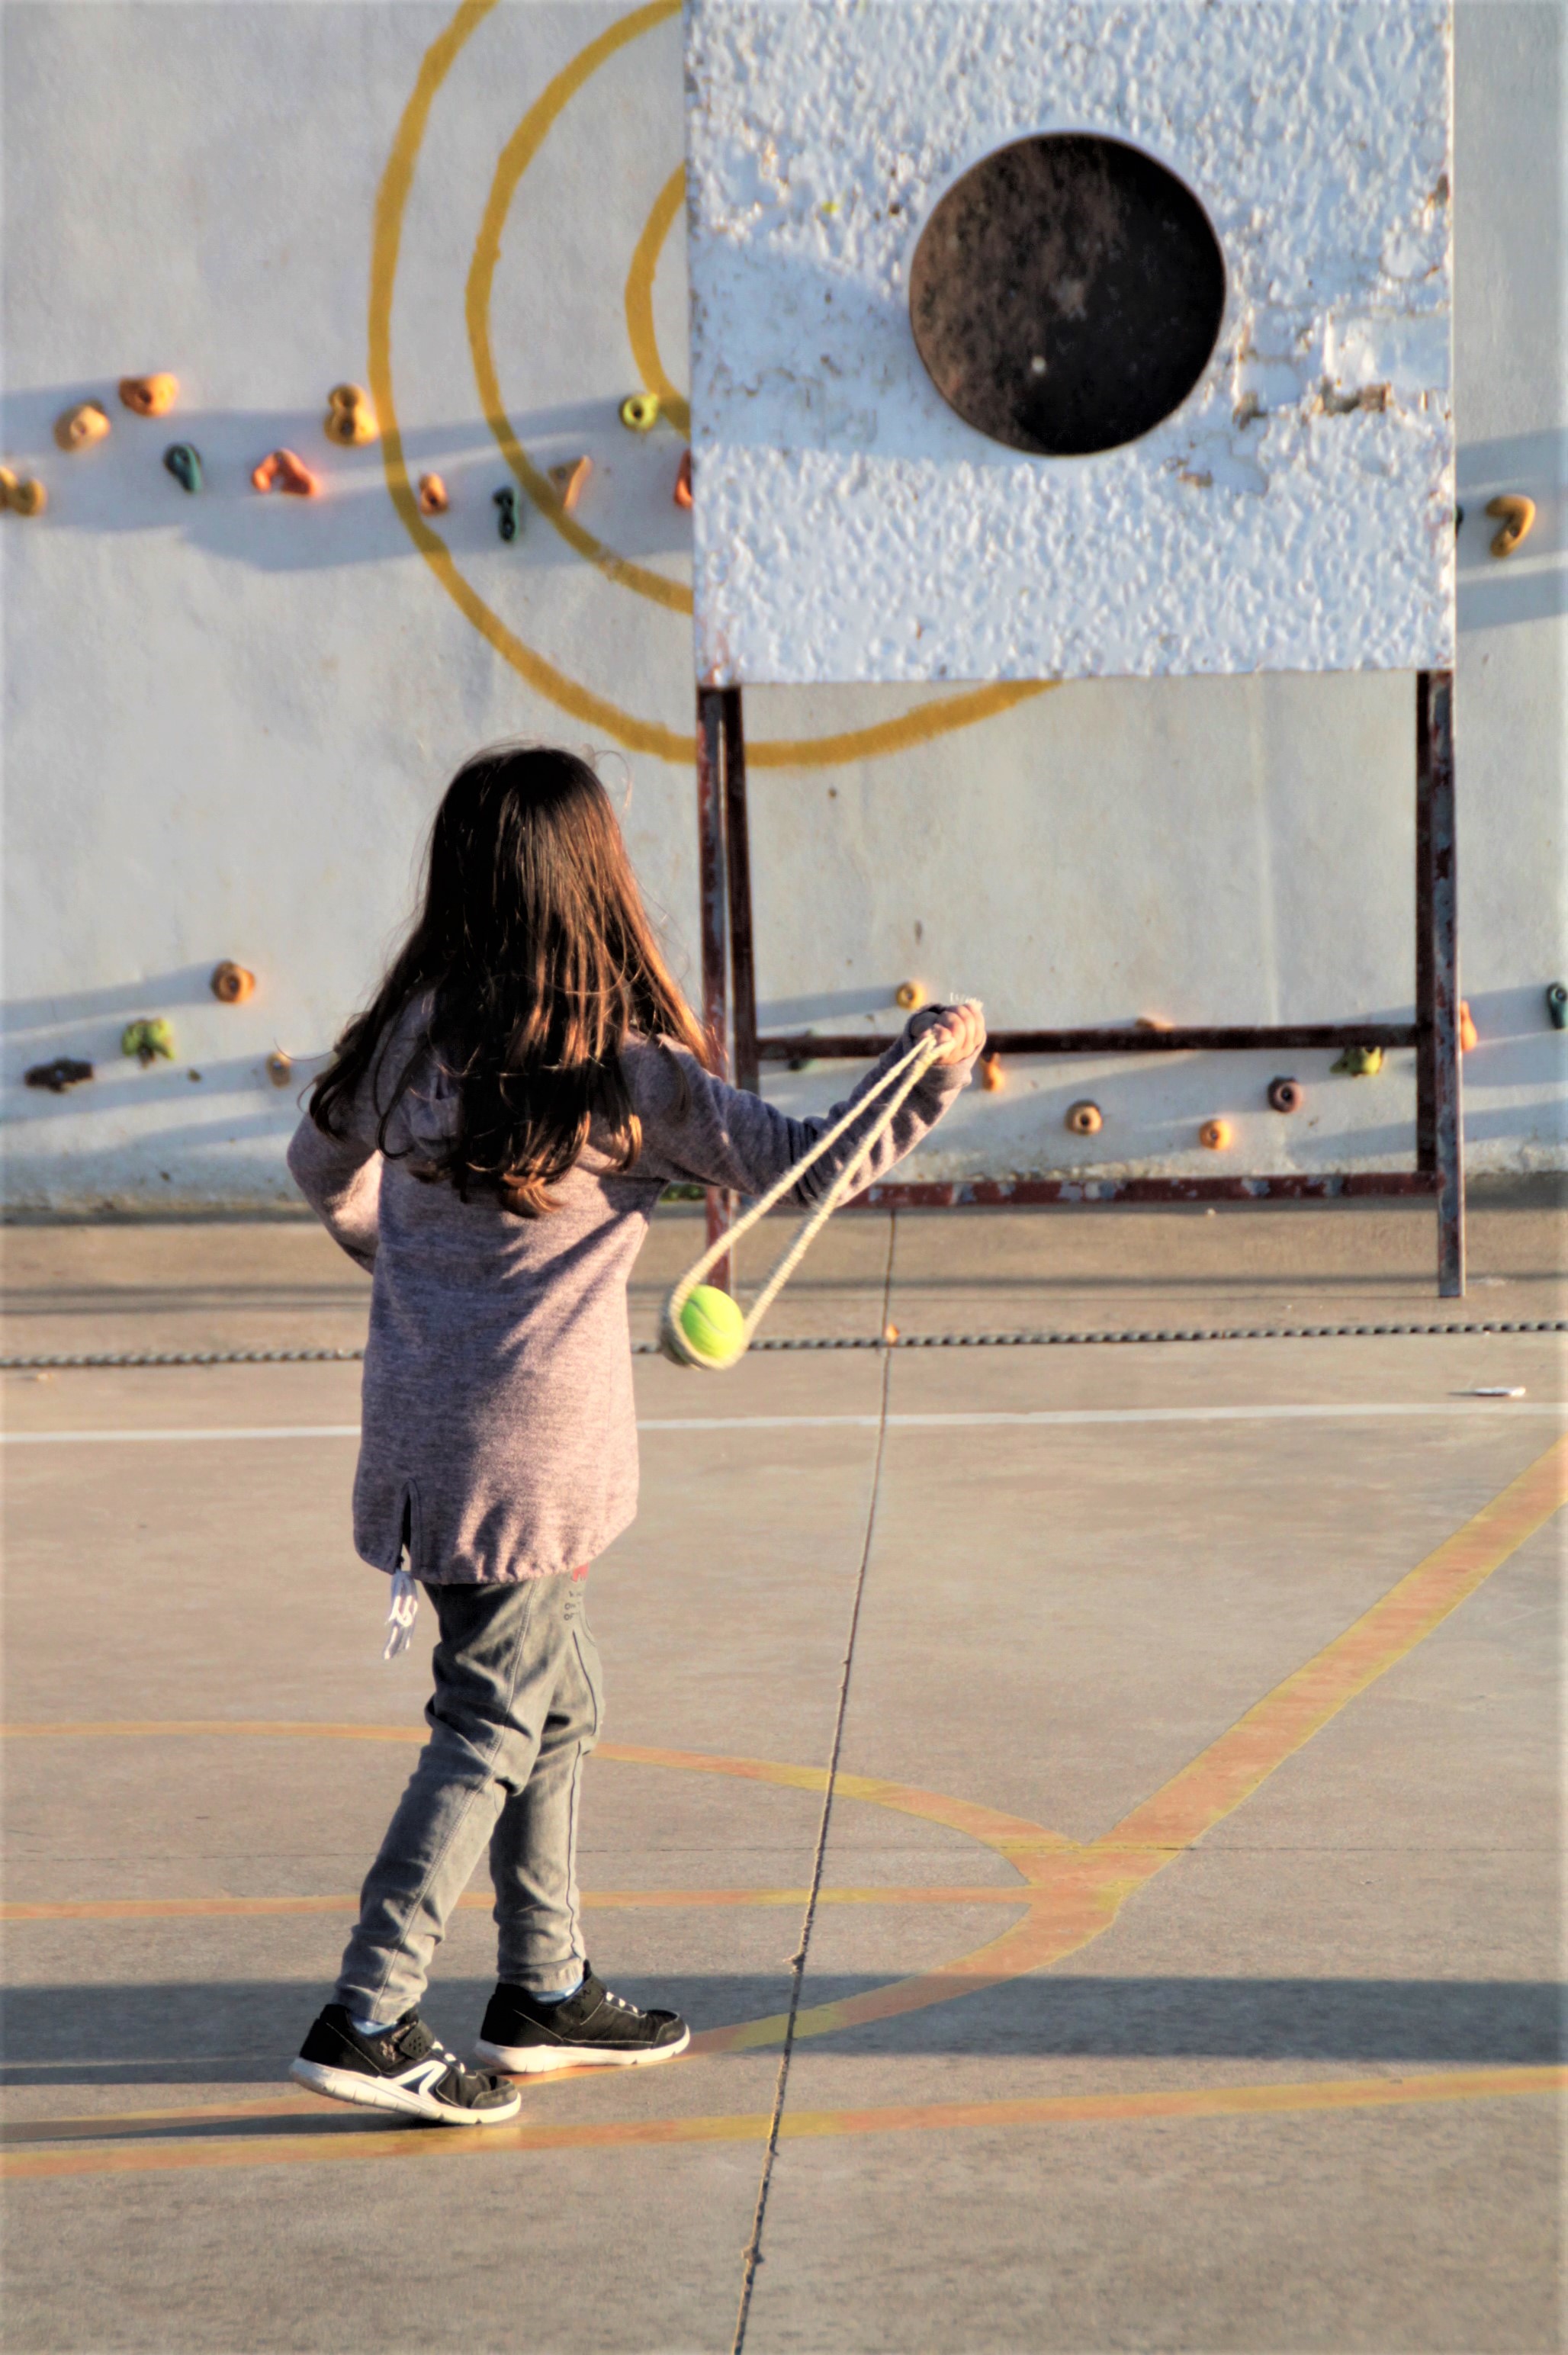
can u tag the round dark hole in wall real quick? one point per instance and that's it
(1066, 294)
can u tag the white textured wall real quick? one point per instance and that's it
(849, 525)
(226, 720)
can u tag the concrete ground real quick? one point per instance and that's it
(1183, 1970)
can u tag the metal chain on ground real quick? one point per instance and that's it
(63, 1361)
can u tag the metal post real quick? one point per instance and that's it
(710, 876)
(743, 968)
(1439, 1109)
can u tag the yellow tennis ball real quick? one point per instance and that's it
(712, 1324)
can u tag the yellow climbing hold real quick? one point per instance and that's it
(1215, 1136)
(909, 994)
(78, 428)
(23, 493)
(1359, 1062)
(1517, 515)
(350, 415)
(640, 411)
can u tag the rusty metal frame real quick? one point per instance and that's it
(730, 1012)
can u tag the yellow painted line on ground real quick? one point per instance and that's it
(608, 1900)
(354, 2140)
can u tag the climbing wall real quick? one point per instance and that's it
(1056, 339)
(230, 711)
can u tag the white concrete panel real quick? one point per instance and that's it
(850, 526)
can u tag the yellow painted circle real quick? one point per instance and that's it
(938, 718)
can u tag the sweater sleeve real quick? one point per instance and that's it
(695, 1128)
(340, 1177)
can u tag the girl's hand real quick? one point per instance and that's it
(962, 1032)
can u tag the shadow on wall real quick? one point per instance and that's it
(1532, 585)
(120, 484)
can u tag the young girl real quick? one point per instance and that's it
(490, 1139)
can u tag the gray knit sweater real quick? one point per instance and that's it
(498, 1438)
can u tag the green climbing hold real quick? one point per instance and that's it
(147, 1038)
(1557, 1005)
(182, 460)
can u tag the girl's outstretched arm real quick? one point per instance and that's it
(720, 1135)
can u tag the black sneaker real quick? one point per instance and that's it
(403, 2069)
(591, 2029)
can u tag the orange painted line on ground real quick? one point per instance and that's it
(354, 2141)
(616, 1900)
(1076, 1894)
(1231, 1769)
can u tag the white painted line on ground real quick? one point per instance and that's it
(1045, 1419)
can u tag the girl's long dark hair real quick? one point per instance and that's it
(540, 962)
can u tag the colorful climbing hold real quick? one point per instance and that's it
(993, 1079)
(433, 497)
(281, 470)
(1215, 1136)
(350, 415)
(683, 481)
(78, 428)
(640, 411)
(1084, 1119)
(1517, 515)
(148, 1037)
(232, 983)
(909, 994)
(570, 480)
(64, 1073)
(1286, 1096)
(24, 495)
(1468, 1037)
(1359, 1062)
(508, 522)
(280, 1067)
(1557, 1005)
(182, 460)
(149, 396)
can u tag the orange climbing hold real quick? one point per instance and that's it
(1467, 1035)
(78, 428)
(1215, 1136)
(281, 470)
(232, 983)
(683, 481)
(23, 493)
(432, 495)
(993, 1079)
(350, 415)
(570, 480)
(1085, 1119)
(149, 396)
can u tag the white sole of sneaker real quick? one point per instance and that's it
(373, 2094)
(541, 2060)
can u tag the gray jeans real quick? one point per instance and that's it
(515, 1711)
